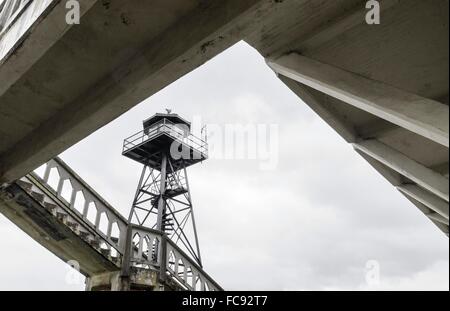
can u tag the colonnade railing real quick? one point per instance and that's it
(58, 188)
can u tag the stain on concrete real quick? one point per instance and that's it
(106, 4)
(125, 19)
(204, 47)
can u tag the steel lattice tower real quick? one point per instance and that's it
(166, 147)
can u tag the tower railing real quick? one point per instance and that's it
(91, 200)
(166, 126)
(182, 268)
(153, 249)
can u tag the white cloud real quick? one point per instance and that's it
(431, 278)
(434, 277)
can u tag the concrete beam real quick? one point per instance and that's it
(426, 198)
(349, 133)
(432, 206)
(442, 168)
(433, 202)
(378, 128)
(187, 44)
(420, 115)
(341, 126)
(439, 218)
(30, 216)
(47, 29)
(405, 166)
(427, 212)
(392, 176)
(444, 228)
(341, 25)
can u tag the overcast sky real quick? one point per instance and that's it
(312, 223)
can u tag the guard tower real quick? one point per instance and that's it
(166, 147)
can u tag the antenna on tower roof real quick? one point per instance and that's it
(169, 111)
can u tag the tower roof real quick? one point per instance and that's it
(173, 117)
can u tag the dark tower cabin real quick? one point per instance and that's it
(160, 132)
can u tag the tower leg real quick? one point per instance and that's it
(193, 219)
(161, 201)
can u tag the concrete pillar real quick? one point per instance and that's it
(139, 279)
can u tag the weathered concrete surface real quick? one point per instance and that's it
(336, 63)
(121, 53)
(108, 281)
(29, 215)
(41, 25)
(423, 116)
(139, 280)
(125, 51)
(42, 212)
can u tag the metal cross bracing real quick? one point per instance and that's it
(163, 202)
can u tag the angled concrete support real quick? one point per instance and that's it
(435, 218)
(405, 166)
(420, 115)
(392, 164)
(186, 44)
(426, 198)
(338, 124)
(41, 25)
(438, 218)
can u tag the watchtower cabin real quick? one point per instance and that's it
(165, 134)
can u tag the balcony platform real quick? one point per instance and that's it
(148, 147)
